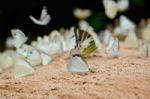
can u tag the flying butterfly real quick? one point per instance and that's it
(44, 18)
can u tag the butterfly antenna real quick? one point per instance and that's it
(28, 35)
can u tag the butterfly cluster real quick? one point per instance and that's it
(81, 42)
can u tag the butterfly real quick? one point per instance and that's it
(23, 50)
(19, 37)
(112, 7)
(112, 49)
(84, 46)
(44, 18)
(83, 25)
(9, 42)
(34, 57)
(131, 39)
(46, 59)
(85, 42)
(56, 37)
(143, 48)
(69, 38)
(105, 37)
(82, 13)
(146, 32)
(6, 61)
(23, 68)
(126, 24)
(76, 63)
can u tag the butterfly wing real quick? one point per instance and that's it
(19, 37)
(77, 65)
(131, 40)
(85, 42)
(23, 68)
(143, 48)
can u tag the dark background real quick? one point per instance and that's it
(14, 14)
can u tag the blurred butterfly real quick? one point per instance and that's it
(19, 37)
(83, 25)
(23, 68)
(85, 42)
(131, 39)
(6, 61)
(33, 57)
(9, 42)
(44, 18)
(56, 37)
(46, 59)
(23, 50)
(126, 24)
(112, 49)
(112, 7)
(82, 13)
(143, 48)
(105, 37)
(146, 32)
(69, 38)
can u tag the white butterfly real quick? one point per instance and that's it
(56, 37)
(34, 57)
(146, 32)
(23, 50)
(143, 48)
(6, 61)
(34, 43)
(9, 42)
(44, 18)
(83, 25)
(70, 38)
(131, 40)
(112, 49)
(46, 59)
(23, 68)
(19, 37)
(105, 37)
(76, 63)
(112, 7)
(82, 13)
(126, 24)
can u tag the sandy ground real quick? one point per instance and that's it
(127, 77)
